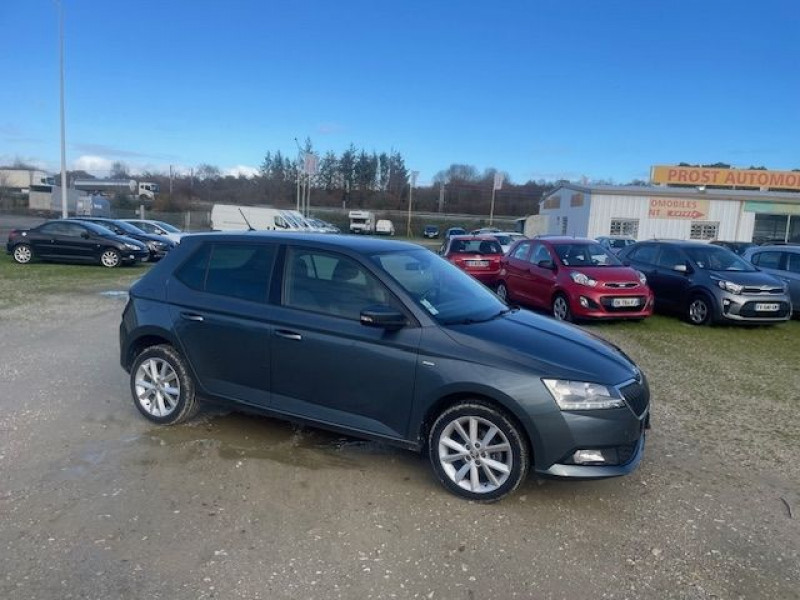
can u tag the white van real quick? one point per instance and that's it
(384, 227)
(232, 217)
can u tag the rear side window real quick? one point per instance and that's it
(645, 254)
(767, 260)
(229, 269)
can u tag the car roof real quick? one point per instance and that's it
(351, 242)
(477, 236)
(563, 239)
(777, 247)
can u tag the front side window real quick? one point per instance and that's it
(767, 260)
(331, 284)
(521, 251)
(670, 257)
(446, 292)
(539, 254)
(793, 262)
(73, 230)
(645, 254)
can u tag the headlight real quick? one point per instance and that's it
(729, 286)
(582, 279)
(642, 277)
(133, 247)
(581, 395)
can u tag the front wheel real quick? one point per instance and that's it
(110, 258)
(162, 388)
(699, 311)
(477, 452)
(561, 309)
(23, 254)
(502, 291)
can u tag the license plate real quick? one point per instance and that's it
(477, 263)
(620, 302)
(767, 306)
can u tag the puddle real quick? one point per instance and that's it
(121, 294)
(236, 436)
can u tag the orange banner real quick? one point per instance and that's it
(678, 208)
(746, 178)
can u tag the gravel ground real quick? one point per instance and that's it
(95, 502)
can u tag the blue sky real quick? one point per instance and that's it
(540, 89)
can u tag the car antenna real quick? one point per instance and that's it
(249, 227)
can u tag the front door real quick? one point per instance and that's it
(326, 365)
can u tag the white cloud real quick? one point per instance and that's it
(241, 171)
(96, 165)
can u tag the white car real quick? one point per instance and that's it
(158, 228)
(384, 227)
(507, 239)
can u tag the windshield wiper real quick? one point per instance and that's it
(471, 320)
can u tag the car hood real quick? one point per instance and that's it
(128, 240)
(747, 278)
(619, 274)
(547, 347)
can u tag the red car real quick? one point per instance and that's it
(478, 255)
(574, 279)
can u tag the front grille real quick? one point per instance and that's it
(749, 310)
(625, 285)
(637, 396)
(762, 289)
(608, 301)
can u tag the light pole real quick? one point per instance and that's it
(412, 182)
(64, 207)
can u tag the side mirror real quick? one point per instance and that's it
(385, 317)
(546, 264)
(681, 269)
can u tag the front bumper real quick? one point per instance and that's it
(742, 307)
(599, 471)
(590, 303)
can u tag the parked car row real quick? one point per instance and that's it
(109, 242)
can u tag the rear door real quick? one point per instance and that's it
(517, 267)
(326, 365)
(76, 242)
(218, 304)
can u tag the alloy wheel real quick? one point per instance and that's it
(110, 258)
(23, 254)
(157, 387)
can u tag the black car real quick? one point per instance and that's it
(708, 283)
(158, 245)
(384, 340)
(738, 247)
(74, 241)
(430, 231)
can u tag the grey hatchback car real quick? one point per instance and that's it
(383, 340)
(784, 263)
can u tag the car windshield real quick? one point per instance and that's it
(126, 227)
(446, 292)
(586, 255)
(505, 240)
(456, 231)
(717, 258)
(167, 227)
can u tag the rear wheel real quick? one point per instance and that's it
(23, 254)
(699, 311)
(477, 452)
(561, 309)
(162, 388)
(110, 258)
(502, 291)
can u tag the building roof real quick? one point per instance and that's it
(681, 192)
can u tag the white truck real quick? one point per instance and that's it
(362, 221)
(234, 217)
(143, 190)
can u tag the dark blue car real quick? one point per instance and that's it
(383, 340)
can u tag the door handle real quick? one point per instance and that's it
(192, 317)
(288, 335)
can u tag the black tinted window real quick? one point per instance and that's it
(73, 230)
(330, 284)
(767, 260)
(52, 229)
(669, 257)
(645, 254)
(192, 273)
(240, 270)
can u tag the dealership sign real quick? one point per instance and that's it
(678, 208)
(747, 178)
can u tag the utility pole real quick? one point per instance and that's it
(497, 183)
(170, 185)
(64, 206)
(441, 196)
(412, 182)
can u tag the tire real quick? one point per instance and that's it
(110, 258)
(161, 386)
(561, 310)
(460, 464)
(700, 310)
(502, 291)
(23, 253)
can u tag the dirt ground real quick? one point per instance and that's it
(95, 502)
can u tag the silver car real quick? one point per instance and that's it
(782, 262)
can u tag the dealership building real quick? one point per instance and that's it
(681, 203)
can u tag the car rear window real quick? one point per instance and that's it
(475, 247)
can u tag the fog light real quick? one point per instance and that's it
(584, 302)
(726, 305)
(583, 457)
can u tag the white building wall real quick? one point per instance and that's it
(734, 223)
(577, 216)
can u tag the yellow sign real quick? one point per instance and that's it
(746, 178)
(678, 208)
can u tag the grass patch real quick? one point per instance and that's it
(25, 284)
